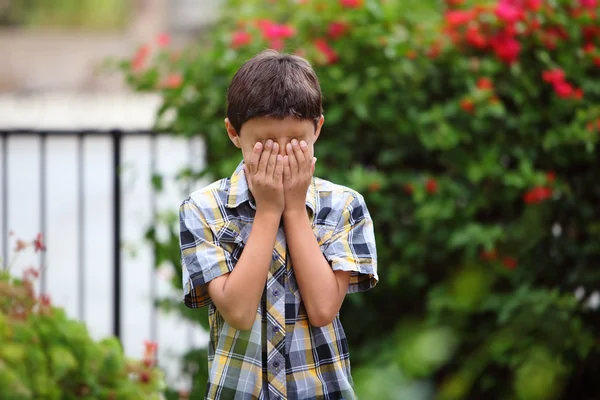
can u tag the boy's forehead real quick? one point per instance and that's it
(264, 128)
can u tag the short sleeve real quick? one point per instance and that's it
(202, 259)
(352, 246)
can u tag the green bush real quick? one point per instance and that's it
(472, 129)
(44, 355)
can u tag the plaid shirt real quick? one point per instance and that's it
(282, 356)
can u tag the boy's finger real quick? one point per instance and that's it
(278, 169)
(247, 176)
(308, 159)
(313, 165)
(299, 154)
(255, 157)
(272, 160)
(264, 157)
(287, 174)
(292, 159)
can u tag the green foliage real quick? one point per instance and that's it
(473, 140)
(47, 356)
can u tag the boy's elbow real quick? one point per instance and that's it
(240, 320)
(321, 318)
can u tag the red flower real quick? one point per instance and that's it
(537, 195)
(45, 300)
(509, 263)
(139, 59)
(173, 81)
(145, 377)
(351, 3)
(485, 84)
(488, 255)
(435, 50)
(240, 38)
(431, 186)
(467, 105)
(39, 243)
(337, 29)
(596, 61)
(589, 48)
(412, 54)
(554, 76)
(506, 47)
(578, 94)
(563, 89)
(533, 5)
(475, 38)
(324, 48)
(589, 4)
(163, 39)
(550, 176)
(508, 12)
(459, 17)
(590, 32)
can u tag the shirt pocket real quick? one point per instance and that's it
(232, 236)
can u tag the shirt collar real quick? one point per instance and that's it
(240, 193)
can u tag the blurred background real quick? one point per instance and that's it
(471, 128)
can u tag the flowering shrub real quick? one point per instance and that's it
(471, 129)
(46, 355)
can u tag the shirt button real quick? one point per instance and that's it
(276, 292)
(276, 364)
(275, 257)
(275, 329)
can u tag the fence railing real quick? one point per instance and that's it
(116, 138)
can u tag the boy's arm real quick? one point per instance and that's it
(322, 289)
(237, 294)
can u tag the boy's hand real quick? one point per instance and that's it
(264, 174)
(298, 169)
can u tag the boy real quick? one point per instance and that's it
(271, 250)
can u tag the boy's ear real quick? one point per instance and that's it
(319, 126)
(233, 136)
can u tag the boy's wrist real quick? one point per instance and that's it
(295, 214)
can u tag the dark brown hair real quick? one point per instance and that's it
(275, 85)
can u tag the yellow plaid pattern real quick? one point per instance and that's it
(282, 356)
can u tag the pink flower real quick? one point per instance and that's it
(337, 29)
(351, 3)
(276, 44)
(139, 59)
(507, 48)
(589, 4)
(275, 31)
(163, 39)
(240, 38)
(508, 12)
(21, 245)
(172, 81)
(330, 55)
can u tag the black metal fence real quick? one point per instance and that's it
(116, 138)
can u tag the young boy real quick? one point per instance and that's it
(273, 250)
